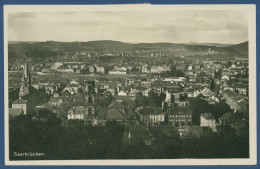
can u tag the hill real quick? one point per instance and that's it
(241, 48)
(52, 48)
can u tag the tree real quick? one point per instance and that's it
(198, 107)
(153, 99)
(212, 85)
(36, 132)
(228, 64)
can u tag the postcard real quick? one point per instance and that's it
(130, 84)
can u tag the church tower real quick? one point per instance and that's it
(26, 81)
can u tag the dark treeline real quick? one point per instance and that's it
(42, 132)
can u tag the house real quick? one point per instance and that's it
(235, 101)
(50, 88)
(179, 115)
(72, 88)
(122, 93)
(172, 96)
(15, 112)
(151, 115)
(63, 69)
(183, 130)
(226, 118)
(155, 69)
(100, 69)
(184, 103)
(145, 69)
(207, 120)
(146, 91)
(191, 67)
(207, 92)
(117, 72)
(55, 101)
(116, 111)
(160, 69)
(164, 68)
(125, 98)
(20, 104)
(92, 69)
(190, 92)
(80, 113)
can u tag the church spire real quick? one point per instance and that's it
(25, 70)
(26, 81)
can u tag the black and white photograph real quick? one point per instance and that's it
(130, 84)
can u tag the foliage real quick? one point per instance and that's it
(153, 99)
(42, 132)
(172, 73)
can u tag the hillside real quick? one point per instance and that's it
(241, 48)
(52, 48)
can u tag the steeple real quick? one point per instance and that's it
(26, 81)
(25, 70)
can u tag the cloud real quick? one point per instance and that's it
(130, 26)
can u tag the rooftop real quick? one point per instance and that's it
(207, 116)
(20, 101)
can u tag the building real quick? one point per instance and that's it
(207, 92)
(115, 72)
(207, 120)
(72, 88)
(80, 113)
(184, 103)
(55, 101)
(235, 101)
(179, 116)
(92, 69)
(15, 112)
(164, 68)
(100, 69)
(122, 93)
(26, 81)
(116, 111)
(145, 69)
(155, 69)
(151, 115)
(20, 104)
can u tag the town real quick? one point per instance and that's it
(160, 103)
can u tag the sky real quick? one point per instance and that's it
(228, 27)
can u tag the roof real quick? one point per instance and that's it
(125, 98)
(73, 85)
(150, 110)
(179, 110)
(20, 101)
(207, 116)
(207, 92)
(227, 116)
(116, 105)
(154, 67)
(77, 110)
(54, 99)
(116, 114)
